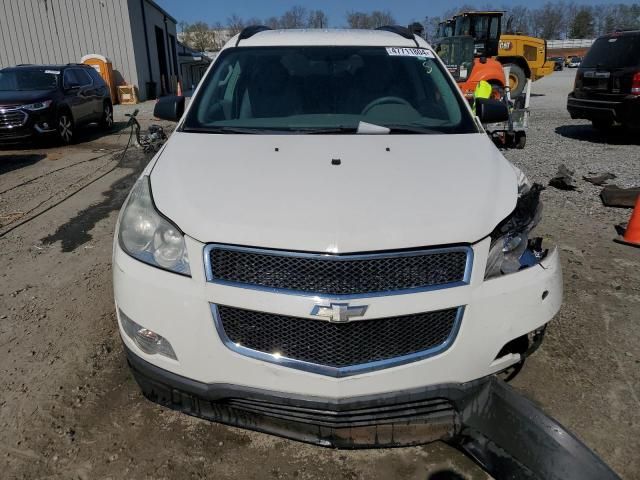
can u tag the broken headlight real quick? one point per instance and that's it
(511, 246)
(148, 236)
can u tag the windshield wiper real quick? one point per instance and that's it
(392, 129)
(411, 129)
(231, 130)
(326, 131)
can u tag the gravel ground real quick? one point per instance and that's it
(70, 408)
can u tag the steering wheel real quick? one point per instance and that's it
(384, 101)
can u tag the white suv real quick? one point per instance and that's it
(329, 247)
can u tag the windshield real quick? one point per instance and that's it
(25, 80)
(328, 90)
(614, 52)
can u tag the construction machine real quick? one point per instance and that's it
(481, 77)
(525, 56)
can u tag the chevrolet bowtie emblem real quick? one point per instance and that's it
(338, 312)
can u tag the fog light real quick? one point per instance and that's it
(147, 340)
(45, 125)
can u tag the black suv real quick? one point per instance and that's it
(51, 99)
(607, 86)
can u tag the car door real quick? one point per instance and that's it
(95, 92)
(101, 91)
(89, 92)
(75, 96)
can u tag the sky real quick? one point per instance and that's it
(405, 11)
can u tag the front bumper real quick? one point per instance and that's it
(486, 419)
(395, 419)
(36, 123)
(626, 110)
(179, 309)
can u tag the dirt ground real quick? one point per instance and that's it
(69, 407)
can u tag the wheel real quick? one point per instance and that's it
(106, 122)
(517, 79)
(602, 125)
(521, 140)
(65, 128)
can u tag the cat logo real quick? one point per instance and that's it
(505, 45)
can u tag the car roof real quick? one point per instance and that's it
(43, 67)
(326, 37)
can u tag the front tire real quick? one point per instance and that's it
(65, 128)
(106, 121)
(517, 79)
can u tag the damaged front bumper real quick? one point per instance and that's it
(501, 430)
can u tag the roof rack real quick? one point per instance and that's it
(250, 31)
(404, 32)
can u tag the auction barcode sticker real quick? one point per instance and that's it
(409, 52)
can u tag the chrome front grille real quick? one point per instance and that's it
(12, 118)
(336, 349)
(339, 275)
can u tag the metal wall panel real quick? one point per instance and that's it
(62, 31)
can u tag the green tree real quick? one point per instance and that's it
(583, 24)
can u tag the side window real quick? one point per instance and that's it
(70, 79)
(495, 26)
(83, 77)
(95, 76)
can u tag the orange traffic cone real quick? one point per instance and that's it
(179, 92)
(632, 233)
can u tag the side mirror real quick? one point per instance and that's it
(490, 110)
(169, 108)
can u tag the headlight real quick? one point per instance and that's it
(146, 235)
(510, 241)
(38, 105)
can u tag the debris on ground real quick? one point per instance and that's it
(563, 180)
(614, 196)
(599, 179)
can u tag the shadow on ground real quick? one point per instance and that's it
(10, 162)
(445, 475)
(82, 135)
(586, 133)
(75, 232)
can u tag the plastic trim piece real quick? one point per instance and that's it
(250, 31)
(404, 32)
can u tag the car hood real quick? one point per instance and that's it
(23, 97)
(389, 191)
